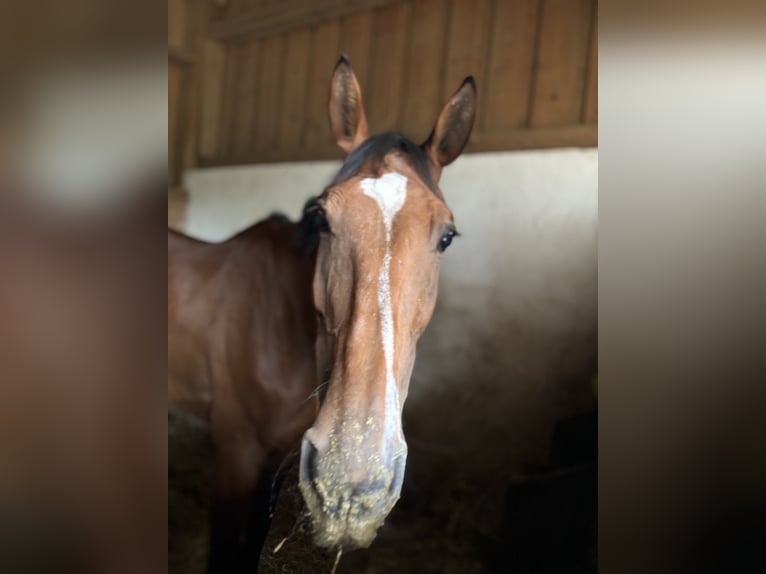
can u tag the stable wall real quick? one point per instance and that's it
(248, 79)
(512, 344)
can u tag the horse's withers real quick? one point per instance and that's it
(375, 284)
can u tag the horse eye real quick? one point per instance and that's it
(320, 221)
(446, 241)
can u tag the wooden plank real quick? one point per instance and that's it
(389, 40)
(294, 88)
(561, 62)
(177, 38)
(175, 77)
(582, 135)
(467, 44)
(266, 19)
(218, 11)
(198, 17)
(212, 93)
(590, 103)
(247, 100)
(232, 75)
(234, 9)
(511, 63)
(180, 57)
(184, 131)
(324, 54)
(422, 98)
(355, 41)
(269, 83)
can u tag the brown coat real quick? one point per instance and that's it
(241, 330)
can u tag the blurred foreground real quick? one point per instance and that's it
(82, 299)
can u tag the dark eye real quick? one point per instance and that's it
(320, 220)
(445, 241)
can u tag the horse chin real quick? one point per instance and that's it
(331, 532)
(348, 523)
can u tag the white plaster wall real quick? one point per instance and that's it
(223, 201)
(513, 339)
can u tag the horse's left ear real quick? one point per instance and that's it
(453, 127)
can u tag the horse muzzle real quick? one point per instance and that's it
(349, 493)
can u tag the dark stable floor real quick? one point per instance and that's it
(544, 521)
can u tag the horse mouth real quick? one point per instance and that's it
(347, 521)
(345, 517)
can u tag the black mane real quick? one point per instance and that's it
(376, 148)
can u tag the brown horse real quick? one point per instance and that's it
(241, 332)
(330, 308)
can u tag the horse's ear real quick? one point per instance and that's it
(453, 127)
(347, 119)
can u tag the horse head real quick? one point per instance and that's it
(384, 225)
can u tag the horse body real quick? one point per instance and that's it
(241, 332)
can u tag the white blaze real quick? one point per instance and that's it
(390, 192)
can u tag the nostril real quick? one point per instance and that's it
(390, 485)
(309, 458)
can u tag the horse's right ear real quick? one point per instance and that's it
(347, 119)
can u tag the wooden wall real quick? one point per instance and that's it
(262, 70)
(180, 40)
